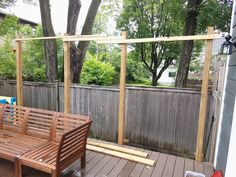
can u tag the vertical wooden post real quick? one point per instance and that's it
(204, 97)
(67, 77)
(122, 90)
(19, 58)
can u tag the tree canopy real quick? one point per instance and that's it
(149, 18)
(199, 15)
(33, 60)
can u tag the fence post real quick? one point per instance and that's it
(5, 88)
(204, 97)
(122, 90)
(57, 95)
(19, 99)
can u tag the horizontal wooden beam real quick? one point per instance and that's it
(102, 39)
(91, 37)
(96, 39)
(118, 148)
(160, 39)
(122, 155)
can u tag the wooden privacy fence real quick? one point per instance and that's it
(155, 118)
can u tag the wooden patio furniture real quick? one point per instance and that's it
(45, 140)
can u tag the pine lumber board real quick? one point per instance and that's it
(121, 115)
(118, 148)
(160, 39)
(204, 98)
(102, 39)
(121, 155)
(72, 38)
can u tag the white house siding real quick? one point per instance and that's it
(228, 107)
(231, 160)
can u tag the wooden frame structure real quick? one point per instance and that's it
(124, 42)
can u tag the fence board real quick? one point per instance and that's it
(157, 118)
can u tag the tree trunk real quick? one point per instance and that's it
(50, 46)
(189, 29)
(72, 19)
(155, 76)
(79, 54)
(154, 79)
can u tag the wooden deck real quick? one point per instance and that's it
(100, 165)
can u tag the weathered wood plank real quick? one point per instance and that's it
(108, 167)
(208, 169)
(147, 171)
(160, 165)
(169, 167)
(179, 167)
(93, 162)
(117, 169)
(126, 171)
(98, 166)
(188, 165)
(198, 166)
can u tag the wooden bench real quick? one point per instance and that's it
(46, 140)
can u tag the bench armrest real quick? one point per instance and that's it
(72, 145)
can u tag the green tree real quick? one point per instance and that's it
(77, 51)
(215, 8)
(34, 65)
(97, 73)
(9, 26)
(149, 18)
(33, 58)
(199, 15)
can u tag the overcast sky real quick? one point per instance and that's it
(58, 10)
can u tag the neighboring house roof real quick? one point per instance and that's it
(21, 20)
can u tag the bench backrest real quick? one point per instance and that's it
(12, 117)
(72, 145)
(37, 122)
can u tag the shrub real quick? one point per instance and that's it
(97, 73)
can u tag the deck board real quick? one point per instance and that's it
(101, 165)
(148, 170)
(95, 160)
(108, 167)
(188, 165)
(169, 167)
(126, 171)
(198, 167)
(117, 169)
(138, 169)
(208, 170)
(98, 166)
(160, 165)
(179, 167)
